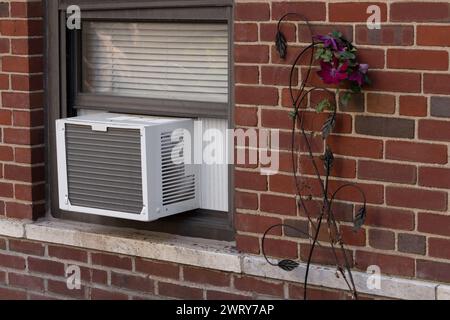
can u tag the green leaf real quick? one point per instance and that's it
(323, 105)
(346, 55)
(345, 99)
(336, 34)
(319, 53)
(327, 55)
(293, 114)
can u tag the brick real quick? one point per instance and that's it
(66, 253)
(28, 119)
(27, 46)
(417, 59)
(390, 218)
(389, 264)
(268, 31)
(46, 266)
(60, 288)
(356, 104)
(6, 190)
(381, 103)
(398, 81)
(381, 239)
(250, 284)
(278, 76)
(246, 74)
(420, 12)
(357, 147)
(132, 282)
(12, 262)
(29, 192)
(324, 255)
(22, 64)
(313, 11)
(256, 95)
(374, 192)
(99, 276)
(412, 243)
(313, 121)
(24, 211)
(19, 100)
(433, 35)
(416, 152)
(244, 200)
(6, 153)
(246, 116)
(178, 291)
(354, 12)
(26, 82)
(434, 177)
(373, 57)
(439, 248)
(247, 244)
(385, 127)
(251, 53)
(256, 223)
(434, 130)
(304, 34)
(26, 9)
(352, 238)
(112, 261)
(279, 205)
(413, 106)
(203, 276)
(9, 294)
(4, 9)
(219, 296)
(389, 172)
(245, 32)
(434, 224)
(301, 228)
(24, 174)
(416, 198)
(26, 282)
(159, 269)
(29, 155)
(4, 78)
(394, 35)
(19, 28)
(27, 247)
(250, 180)
(433, 270)
(5, 117)
(282, 249)
(100, 294)
(344, 168)
(440, 107)
(436, 83)
(252, 11)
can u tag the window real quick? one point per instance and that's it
(164, 58)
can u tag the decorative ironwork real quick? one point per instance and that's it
(303, 188)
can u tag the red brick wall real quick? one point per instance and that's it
(22, 191)
(392, 141)
(31, 270)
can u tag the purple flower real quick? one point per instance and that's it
(328, 41)
(363, 68)
(333, 73)
(358, 75)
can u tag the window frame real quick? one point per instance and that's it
(64, 97)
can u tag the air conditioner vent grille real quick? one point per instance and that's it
(104, 169)
(176, 185)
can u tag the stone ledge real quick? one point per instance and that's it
(209, 254)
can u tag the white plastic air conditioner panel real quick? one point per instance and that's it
(146, 134)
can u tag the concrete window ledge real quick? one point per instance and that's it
(209, 254)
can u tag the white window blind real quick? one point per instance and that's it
(177, 61)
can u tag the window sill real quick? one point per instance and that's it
(211, 254)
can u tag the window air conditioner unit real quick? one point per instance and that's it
(125, 166)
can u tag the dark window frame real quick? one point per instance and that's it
(64, 97)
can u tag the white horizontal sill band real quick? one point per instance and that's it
(210, 254)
